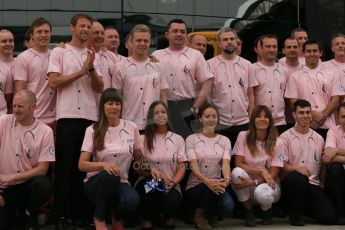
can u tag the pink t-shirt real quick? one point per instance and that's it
(23, 147)
(107, 62)
(335, 138)
(185, 68)
(140, 83)
(316, 86)
(168, 152)
(6, 85)
(304, 149)
(270, 89)
(119, 145)
(338, 69)
(78, 99)
(300, 60)
(230, 87)
(261, 159)
(209, 153)
(31, 66)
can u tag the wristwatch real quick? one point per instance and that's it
(91, 69)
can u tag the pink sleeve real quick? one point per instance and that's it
(181, 149)
(8, 86)
(203, 72)
(227, 148)
(20, 68)
(190, 148)
(97, 65)
(278, 154)
(240, 144)
(88, 140)
(55, 64)
(285, 143)
(137, 139)
(252, 78)
(291, 90)
(337, 87)
(47, 153)
(163, 76)
(118, 76)
(331, 140)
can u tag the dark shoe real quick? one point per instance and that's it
(296, 219)
(213, 221)
(267, 217)
(250, 218)
(200, 220)
(64, 224)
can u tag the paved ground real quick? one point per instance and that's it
(237, 224)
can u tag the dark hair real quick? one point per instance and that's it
(301, 103)
(312, 42)
(297, 30)
(256, 42)
(151, 127)
(271, 134)
(162, 42)
(261, 40)
(342, 105)
(76, 17)
(176, 20)
(101, 125)
(38, 22)
(290, 38)
(28, 34)
(202, 110)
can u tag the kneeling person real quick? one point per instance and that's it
(26, 148)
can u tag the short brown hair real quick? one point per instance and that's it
(38, 22)
(139, 28)
(76, 17)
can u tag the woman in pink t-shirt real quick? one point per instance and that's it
(259, 155)
(209, 157)
(112, 143)
(165, 151)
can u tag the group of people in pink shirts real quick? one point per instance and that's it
(211, 133)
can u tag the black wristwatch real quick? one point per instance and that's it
(91, 69)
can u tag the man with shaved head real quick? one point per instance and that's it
(26, 148)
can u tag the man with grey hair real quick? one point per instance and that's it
(337, 65)
(26, 148)
(232, 88)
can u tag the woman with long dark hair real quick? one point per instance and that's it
(259, 155)
(209, 157)
(111, 143)
(164, 151)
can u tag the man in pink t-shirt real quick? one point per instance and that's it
(318, 86)
(301, 36)
(271, 79)
(302, 190)
(334, 157)
(337, 65)
(75, 72)
(112, 41)
(26, 148)
(198, 42)
(107, 58)
(6, 64)
(140, 81)
(187, 70)
(30, 72)
(232, 88)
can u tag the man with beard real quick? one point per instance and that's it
(187, 69)
(271, 80)
(74, 72)
(232, 88)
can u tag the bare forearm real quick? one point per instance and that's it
(180, 173)
(96, 82)
(56, 80)
(40, 170)
(203, 94)
(332, 106)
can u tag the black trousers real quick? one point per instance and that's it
(30, 195)
(231, 132)
(70, 198)
(200, 196)
(335, 187)
(298, 195)
(153, 203)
